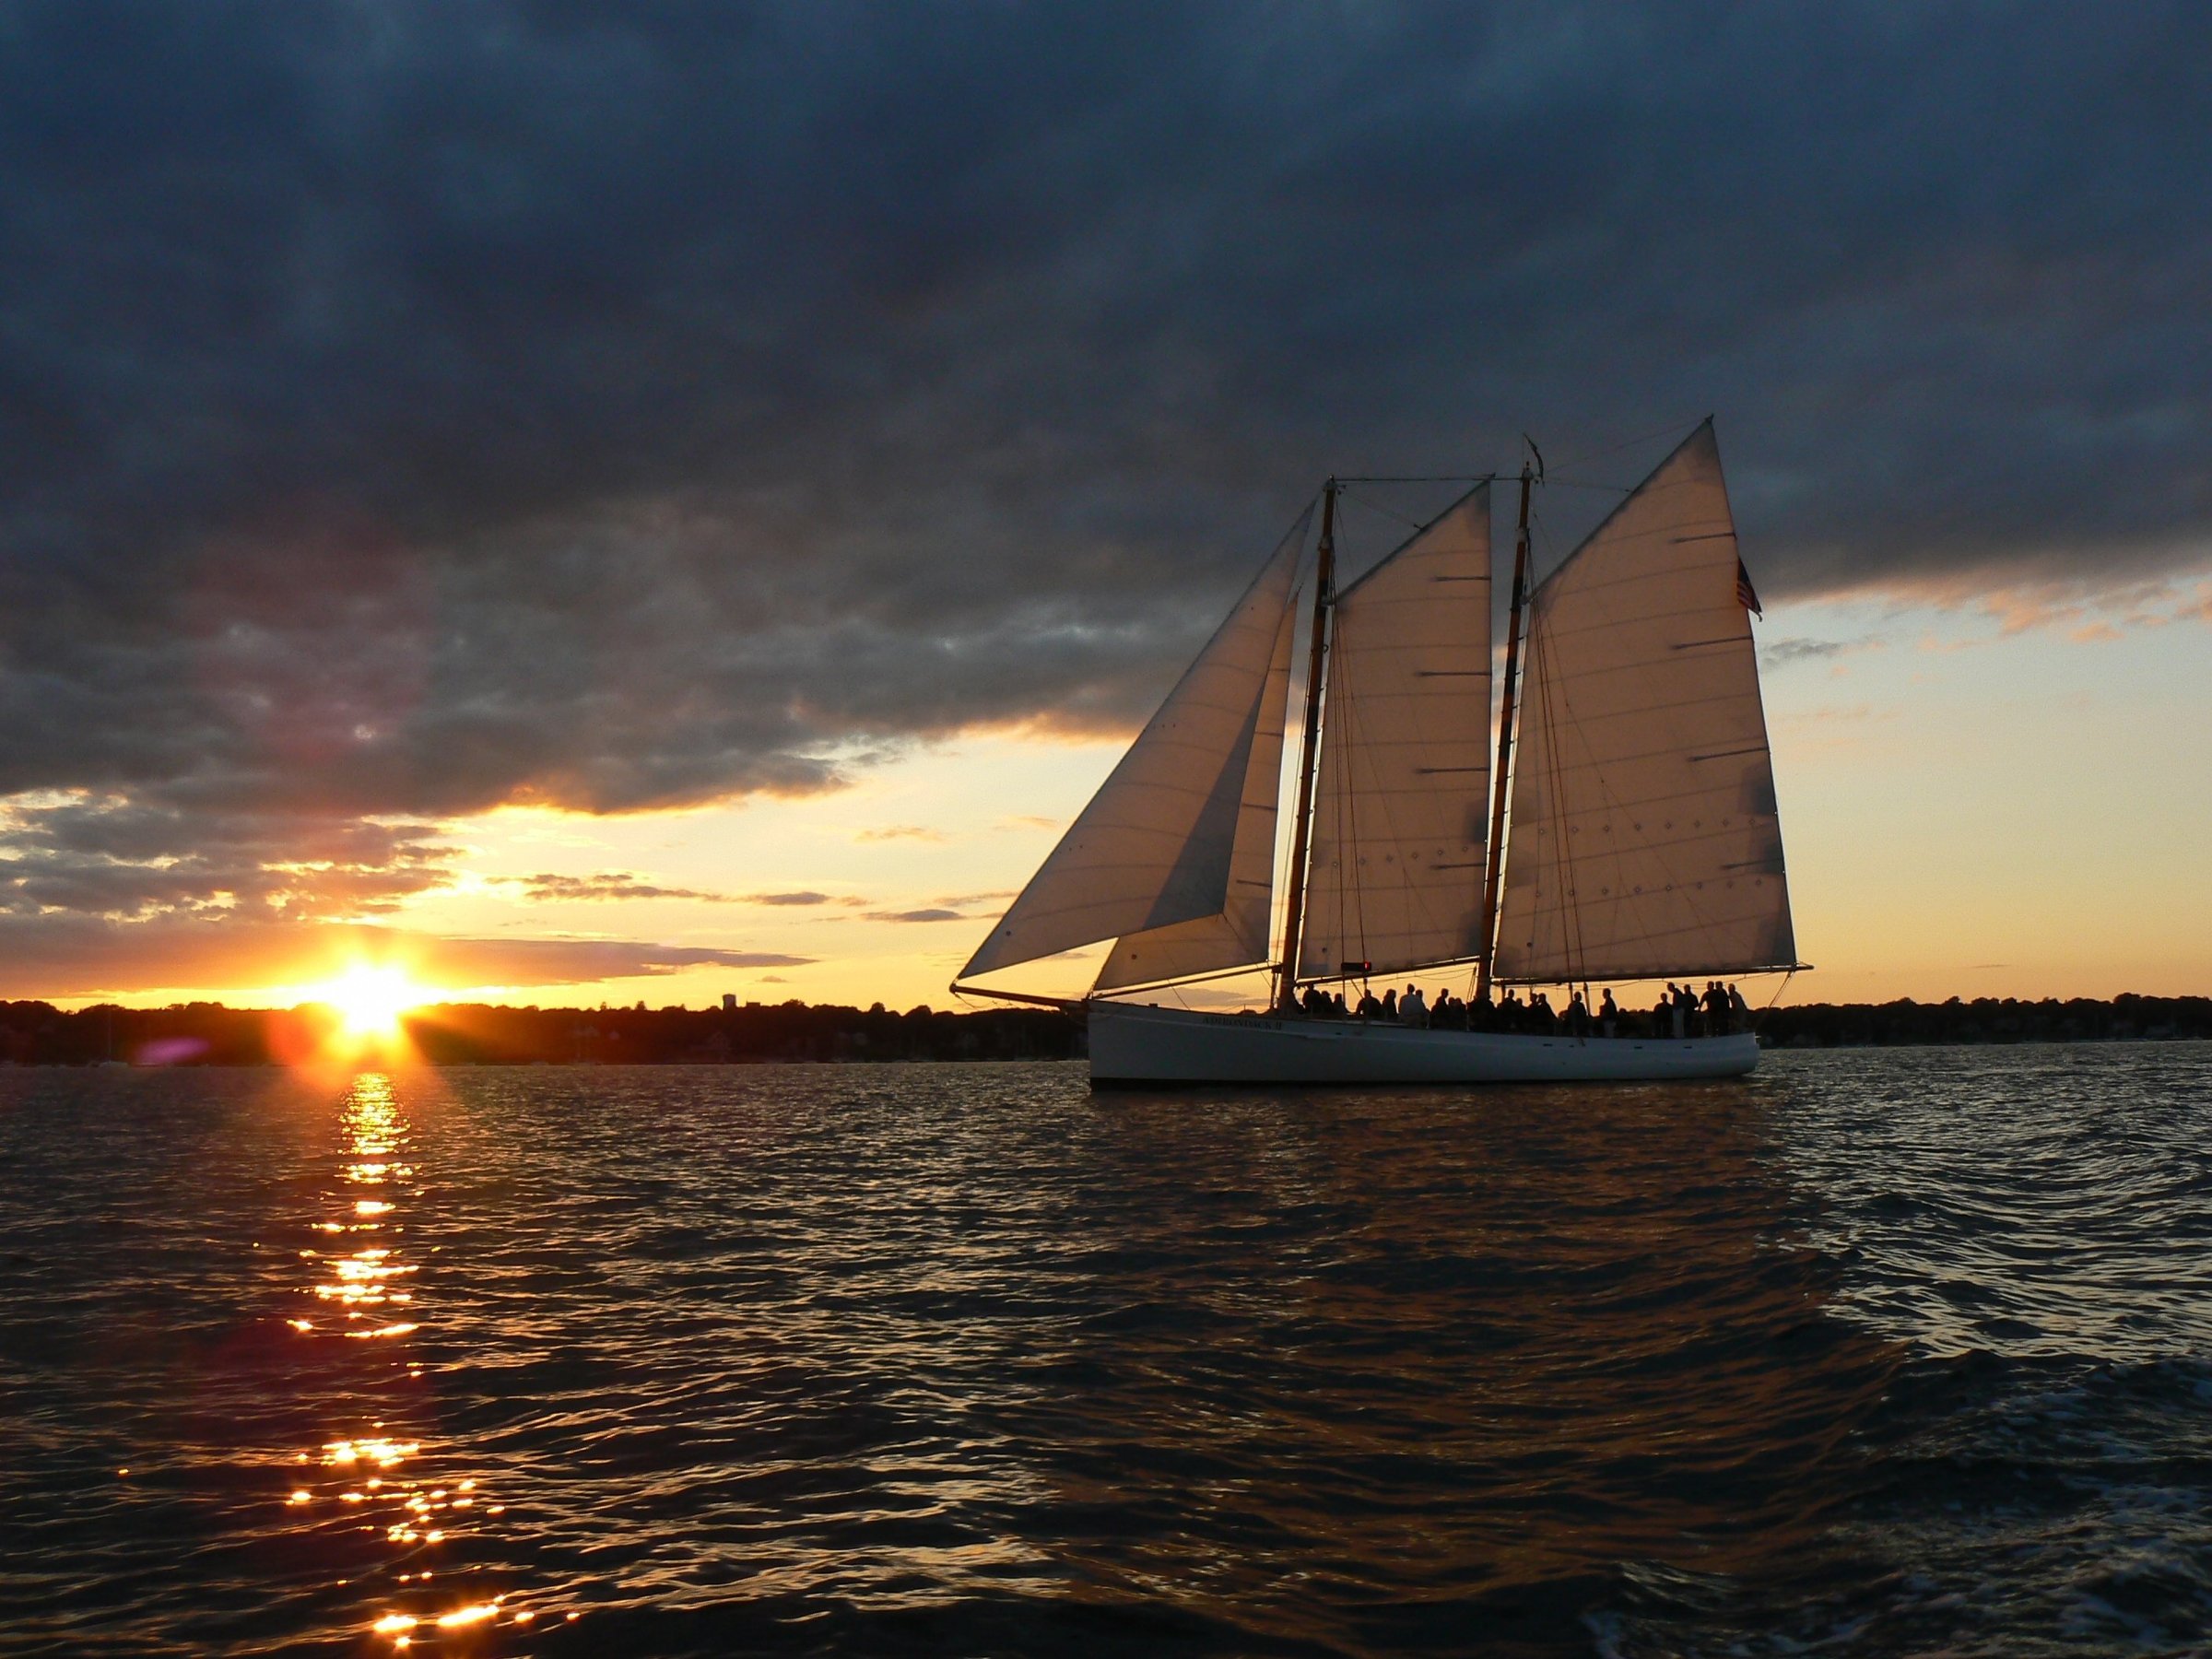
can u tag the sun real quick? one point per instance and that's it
(369, 1000)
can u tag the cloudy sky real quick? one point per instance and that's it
(650, 501)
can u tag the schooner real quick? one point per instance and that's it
(1643, 841)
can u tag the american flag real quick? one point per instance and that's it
(1746, 595)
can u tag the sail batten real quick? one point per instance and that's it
(1646, 840)
(1157, 845)
(1395, 876)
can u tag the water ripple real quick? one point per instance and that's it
(1885, 1352)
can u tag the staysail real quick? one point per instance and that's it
(1645, 841)
(1157, 845)
(1395, 875)
(1240, 936)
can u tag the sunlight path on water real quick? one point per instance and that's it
(380, 1476)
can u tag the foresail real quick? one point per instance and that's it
(1645, 841)
(1155, 845)
(1395, 875)
(1240, 936)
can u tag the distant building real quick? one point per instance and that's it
(729, 1002)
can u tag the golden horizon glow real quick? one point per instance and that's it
(1996, 793)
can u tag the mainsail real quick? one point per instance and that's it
(1158, 844)
(1395, 875)
(1645, 841)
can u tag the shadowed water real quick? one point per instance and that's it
(1890, 1352)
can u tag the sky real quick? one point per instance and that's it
(640, 504)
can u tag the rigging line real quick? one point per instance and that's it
(1760, 1018)
(1665, 431)
(1346, 495)
(1241, 971)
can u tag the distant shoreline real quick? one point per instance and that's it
(36, 1033)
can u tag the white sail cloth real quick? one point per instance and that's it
(1395, 875)
(1644, 841)
(1241, 934)
(1157, 843)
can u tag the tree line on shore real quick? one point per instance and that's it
(36, 1033)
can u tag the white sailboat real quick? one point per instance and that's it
(1643, 843)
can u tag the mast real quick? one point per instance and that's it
(1285, 977)
(1505, 748)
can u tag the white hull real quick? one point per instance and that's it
(1131, 1044)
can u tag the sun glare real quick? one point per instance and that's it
(370, 1000)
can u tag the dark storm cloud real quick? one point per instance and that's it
(408, 409)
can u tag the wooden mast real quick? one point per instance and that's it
(1505, 749)
(1286, 975)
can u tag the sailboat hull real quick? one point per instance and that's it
(1132, 1045)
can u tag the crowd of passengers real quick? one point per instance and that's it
(1681, 1012)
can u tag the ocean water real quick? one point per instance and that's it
(1886, 1352)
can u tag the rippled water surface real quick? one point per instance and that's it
(1892, 1352)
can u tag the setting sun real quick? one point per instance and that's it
(370, 1000)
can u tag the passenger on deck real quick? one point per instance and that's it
(1369, 1007)
(1509, 1013)
(1739, 1008)
(1482, 1015)
(1413, 1008)
(1578, 1017)
(1337, 1008)
(1716, 1008)
(1390, 1004)
(1541, 1020)
(1666, 1018)
(1608, 1015)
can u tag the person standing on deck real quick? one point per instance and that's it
(1716, 1009)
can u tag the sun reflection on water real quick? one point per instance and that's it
(374, 1480)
